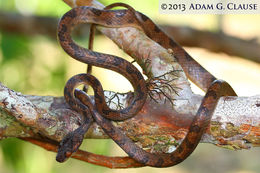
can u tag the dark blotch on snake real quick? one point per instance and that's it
(156, 29)
(96, 11)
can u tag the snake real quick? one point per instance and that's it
(100, 112)
(117, 64)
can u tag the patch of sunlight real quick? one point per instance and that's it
(242, 74)
(37, 159)
(1, 53)
(203, 22)
(1, 159)
(111, 80)
(1, 56)
(40, 73)
(47, 58)
(26, 7)
(3, 164)
(74, 67)
(244, 26)
(242, 171)
(46, 53)
(196, 89)
(105, 45)
(52, 8)
(11, 74)
(175, 169)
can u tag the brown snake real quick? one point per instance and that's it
(100, 111)
(111, 62)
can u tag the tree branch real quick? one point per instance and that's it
(41, 119)
(186, 36)
(235, 123)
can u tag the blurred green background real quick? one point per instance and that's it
(38, 66)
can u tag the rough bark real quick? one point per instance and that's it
(235, 123)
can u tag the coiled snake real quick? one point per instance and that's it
(101, 113)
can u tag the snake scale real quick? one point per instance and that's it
(101, 113)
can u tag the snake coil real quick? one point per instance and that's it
(101, 114)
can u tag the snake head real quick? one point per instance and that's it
(69, 144)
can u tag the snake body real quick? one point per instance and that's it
(111, 62)
(102, 114)
(200, 122)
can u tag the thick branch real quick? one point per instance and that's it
(28, 25)
(186, 36)
(215, 42)
(235, 123)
